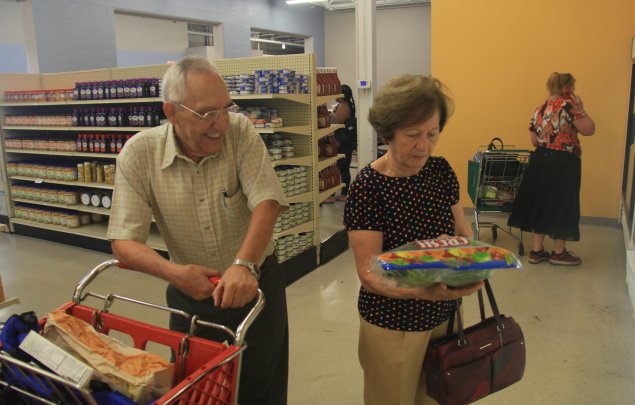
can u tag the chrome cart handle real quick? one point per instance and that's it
(238, 335)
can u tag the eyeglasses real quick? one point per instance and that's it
(213, 115)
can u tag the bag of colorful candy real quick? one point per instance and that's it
(455, 261)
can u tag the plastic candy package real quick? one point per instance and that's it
(456, 261)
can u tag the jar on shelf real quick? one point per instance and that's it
(55, 218)
(84, 218)
(73, 221)
(63, 219)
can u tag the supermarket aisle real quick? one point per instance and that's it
(577, 322)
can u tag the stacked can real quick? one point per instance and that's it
(259, 112)
(282, 81)
(293, 179)
(292, 245)
(279, 146)
(297, 214)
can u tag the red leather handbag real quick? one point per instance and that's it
(466, 366)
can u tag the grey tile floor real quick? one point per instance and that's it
(577, 321)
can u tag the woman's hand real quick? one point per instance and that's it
(441, 291)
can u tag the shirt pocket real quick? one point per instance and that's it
(237, 213)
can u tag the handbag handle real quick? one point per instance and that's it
(460, 330)
(492, 146)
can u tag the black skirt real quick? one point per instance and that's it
(548, 199)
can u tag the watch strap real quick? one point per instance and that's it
(253, 267)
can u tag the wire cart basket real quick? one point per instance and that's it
(494, 176)
(206, 372)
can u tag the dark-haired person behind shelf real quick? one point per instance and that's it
(548, 199)
(344, 113)
(405, 195)
(207, 179)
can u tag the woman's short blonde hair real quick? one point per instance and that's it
(557, 83)
(407, 100)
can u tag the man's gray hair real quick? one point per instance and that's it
(174, 85)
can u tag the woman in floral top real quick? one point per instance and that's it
(405, 195)
(548, 200)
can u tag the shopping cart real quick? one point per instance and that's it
(206, 372)
(494, 175)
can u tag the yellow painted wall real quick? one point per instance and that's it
(495, 56)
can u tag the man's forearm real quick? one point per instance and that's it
(141, 257)
(259, 231)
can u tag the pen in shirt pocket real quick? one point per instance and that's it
(224, 196)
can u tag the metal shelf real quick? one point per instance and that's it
(66, 183)
(295, 161)
(87, 102)
(324, 162)
(299, 198)
(325, 194)
(96, 231)
(299, 130)
(298, 98)
(322, 132)
(57, 153)
(319, 100)
(75, 129)
(305, 227)
(76, 207)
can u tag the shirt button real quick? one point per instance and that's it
(201, 199)
(206, 228)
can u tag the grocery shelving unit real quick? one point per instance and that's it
(299, 113)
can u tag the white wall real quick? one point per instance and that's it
(403, 42)
(146, 40)
(13, 41)
(134, 33)
(12, 21)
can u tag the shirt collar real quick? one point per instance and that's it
(173, 150)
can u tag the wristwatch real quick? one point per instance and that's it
(253, 267)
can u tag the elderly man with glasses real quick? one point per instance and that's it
(207, 180)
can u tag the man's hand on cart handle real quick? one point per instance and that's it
(236, 288)
(189, 278)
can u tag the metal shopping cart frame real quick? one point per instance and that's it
(206, 372)
(494, 176)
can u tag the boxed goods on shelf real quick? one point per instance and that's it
(280, 81)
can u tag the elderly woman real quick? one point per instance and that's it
(405, 195)
(548, 200)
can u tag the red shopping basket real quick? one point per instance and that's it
(206, 372)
